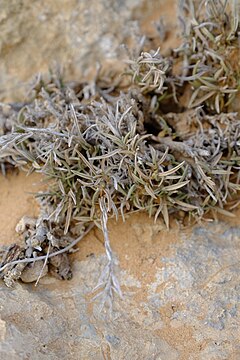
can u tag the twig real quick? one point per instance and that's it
(45, 263)
(180, 147)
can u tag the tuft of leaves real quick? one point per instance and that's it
(211, 52)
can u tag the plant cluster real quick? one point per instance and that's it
(108, 151)
(211, 53)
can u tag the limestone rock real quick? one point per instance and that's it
(181, 296)
(76, 34)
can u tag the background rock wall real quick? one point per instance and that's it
(76, 34)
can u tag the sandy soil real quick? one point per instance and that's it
(16, 200)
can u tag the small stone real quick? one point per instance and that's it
(32, 271)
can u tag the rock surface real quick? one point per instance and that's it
(180, 299)
(76, 34)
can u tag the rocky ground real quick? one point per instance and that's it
(180, 287)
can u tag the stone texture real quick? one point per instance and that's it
(76, 34)
(181, 299)
(35, 35)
